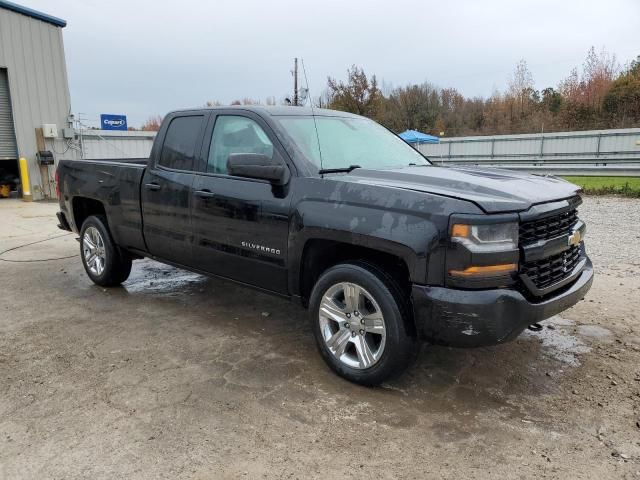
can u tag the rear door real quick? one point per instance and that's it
(241, 225)
(166, 188)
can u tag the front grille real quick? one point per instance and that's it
(548, 227)
(547, 271)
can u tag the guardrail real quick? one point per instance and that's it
(601, 152)
(577, 170)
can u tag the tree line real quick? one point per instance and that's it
(600, 95)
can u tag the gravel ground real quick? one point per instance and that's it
(613, 229)
(175, 375)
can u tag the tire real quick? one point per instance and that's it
(386, 348)
(110, 266)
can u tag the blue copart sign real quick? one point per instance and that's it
(113, 122)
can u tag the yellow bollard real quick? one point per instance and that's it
(26, 186)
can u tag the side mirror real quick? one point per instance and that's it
(256, 165)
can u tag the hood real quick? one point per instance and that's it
(493, 190)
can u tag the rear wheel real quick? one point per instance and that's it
(105, 264)
(357, 315)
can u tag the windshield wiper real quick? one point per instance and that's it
(338, 170)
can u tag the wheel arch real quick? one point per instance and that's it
(84, 207)
(320, 254)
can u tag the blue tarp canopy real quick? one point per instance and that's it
(413, 136)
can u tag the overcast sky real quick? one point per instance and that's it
(144, 57)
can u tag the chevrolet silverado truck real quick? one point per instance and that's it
(385, 249)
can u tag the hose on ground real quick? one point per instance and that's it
(33, 243)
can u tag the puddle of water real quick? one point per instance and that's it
(596, 332)
(559, 321)
(557, 343)
(148, 276)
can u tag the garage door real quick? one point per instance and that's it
(8, 149)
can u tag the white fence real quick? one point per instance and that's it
(98, 144)
(597, 152)
(102, 144)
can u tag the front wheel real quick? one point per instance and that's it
(105, 264)
(358, 320)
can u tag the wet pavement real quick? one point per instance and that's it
(177, 375)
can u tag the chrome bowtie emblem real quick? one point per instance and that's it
(574, 239)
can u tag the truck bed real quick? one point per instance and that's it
(116, 184)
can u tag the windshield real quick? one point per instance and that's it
(345, 141)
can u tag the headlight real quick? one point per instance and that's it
(498, 237)
(483, 252)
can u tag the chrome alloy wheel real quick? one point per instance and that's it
(352, 325)
(93, 250)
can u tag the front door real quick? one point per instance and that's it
(166, 190)
(241, 225)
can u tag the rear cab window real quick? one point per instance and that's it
(180, 143)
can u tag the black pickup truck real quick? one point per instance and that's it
(333, 210)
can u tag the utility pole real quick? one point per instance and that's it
(295, 81)
(81, 140)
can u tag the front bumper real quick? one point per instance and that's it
(466, 318)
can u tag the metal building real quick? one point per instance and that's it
(34, 92)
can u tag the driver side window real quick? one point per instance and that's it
(235, 134)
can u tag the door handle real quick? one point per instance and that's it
(152, 186)
(204, 194)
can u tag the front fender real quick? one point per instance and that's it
(401, 238)
(407, 224)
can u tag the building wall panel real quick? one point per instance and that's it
(32, 51)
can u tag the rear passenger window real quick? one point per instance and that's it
(179, 148)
